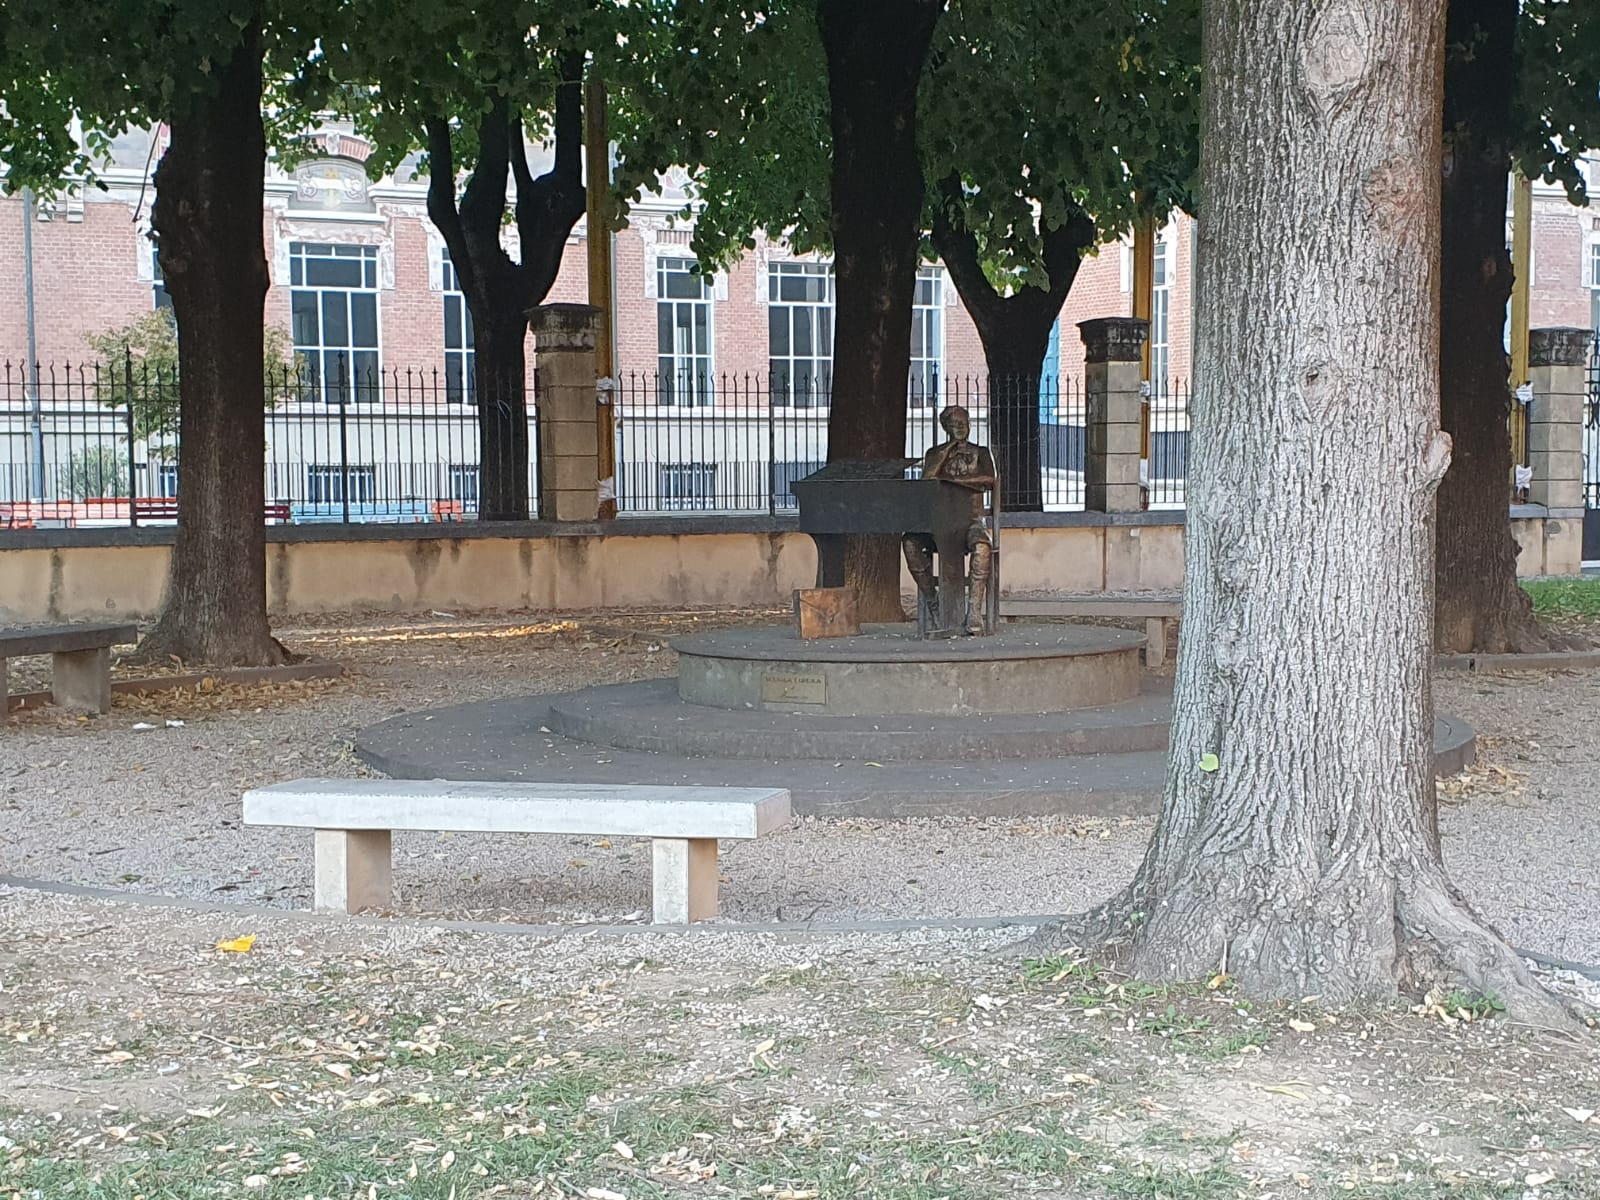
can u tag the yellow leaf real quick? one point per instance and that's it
(238, 945)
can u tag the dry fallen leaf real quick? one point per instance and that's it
(238, 945)
(1580, 1115)
(1302, 1026)
(342, 1070)
(623, 1149)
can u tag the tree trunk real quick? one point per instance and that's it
(1015, 332)
(207, 217)
(499, 292)
(1479, 606)
(1297, 849)
(500, 373)
(875, 54)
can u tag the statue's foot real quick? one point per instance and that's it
(975, 627)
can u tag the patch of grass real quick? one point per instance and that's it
(1058, 968)
(1147, 1181)
(1478, 1005)
(1564, 597)
(1173, 1022)
(977, 1083)
(1227, 1045)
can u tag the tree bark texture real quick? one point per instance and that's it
(1478, 607)
(207, 219)
(875, 55)
(1015, 332)
(1303, 859)
(499, 291)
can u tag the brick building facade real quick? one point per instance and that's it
(362, 282)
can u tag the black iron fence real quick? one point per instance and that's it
(97, 444)
(735, 443)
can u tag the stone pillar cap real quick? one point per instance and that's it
(1559, 346)
(1113, 339)
(565, 326)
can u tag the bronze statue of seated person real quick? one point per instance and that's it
(971, 466)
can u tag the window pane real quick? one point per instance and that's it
(303, 319)
(368, 383)
(364, 316)
(324, 272)
(702, 328)
(803, 344)
(664, 336)
(335, 319)
(777, 332)
(453, 334)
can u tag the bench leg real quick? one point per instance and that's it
(353, 870)
(1155, 641)
(684, 887)
(82, 679)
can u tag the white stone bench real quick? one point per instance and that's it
(353, 819)
(1157, 611)
(80, 660)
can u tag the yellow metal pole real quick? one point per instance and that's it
(1144, 283)
(1521, 279)
(597, 176)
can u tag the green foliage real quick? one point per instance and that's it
(97, 472)
(1564, 597)
(116, 64)
(1045, 111)
(139, 362)
(1558, 90)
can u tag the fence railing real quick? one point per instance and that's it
(97, 444)
(745, 439)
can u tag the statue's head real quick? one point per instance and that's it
(956, 422)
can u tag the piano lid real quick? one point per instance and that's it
(860, 470)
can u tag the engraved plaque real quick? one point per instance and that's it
(786, 687)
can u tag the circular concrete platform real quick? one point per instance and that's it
(887, 671)
(518, 740)
(649, 716)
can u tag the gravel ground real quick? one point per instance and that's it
(94, 801)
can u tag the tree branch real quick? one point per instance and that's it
(442, 199)
(958, 247)
(548, 207)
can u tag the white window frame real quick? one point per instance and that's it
(692, 487)
(927, 328)
(684, 373)
(815, 366)
(464, 481)
(320, 359)
(1162, 261)
(460, 385)
(159, 296)
(327, 483)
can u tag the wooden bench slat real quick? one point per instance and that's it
(483, 807)
(62, 639)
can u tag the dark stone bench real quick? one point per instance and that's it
(80, 660)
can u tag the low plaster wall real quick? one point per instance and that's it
(67, 575)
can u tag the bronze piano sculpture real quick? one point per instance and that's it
(876, 497)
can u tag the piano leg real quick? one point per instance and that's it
(952, 581)
(830, 559)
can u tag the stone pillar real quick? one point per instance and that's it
(1557, 365)
(566, 336)
(1111, 357)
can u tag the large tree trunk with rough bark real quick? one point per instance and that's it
(875, 54)
(1297, 848)
(1015, 331)
(1479, 606)
(207, 218)
(499, 291)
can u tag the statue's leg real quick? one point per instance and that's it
(918, 549)
(981, 551)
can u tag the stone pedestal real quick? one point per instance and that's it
(1111, 357)
(569, 444)
(1557, 360)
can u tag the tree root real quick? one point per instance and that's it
(160, 647)
(1400, 939)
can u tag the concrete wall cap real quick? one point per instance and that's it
(1559, 346)
(565, 326)
(1113, 339)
